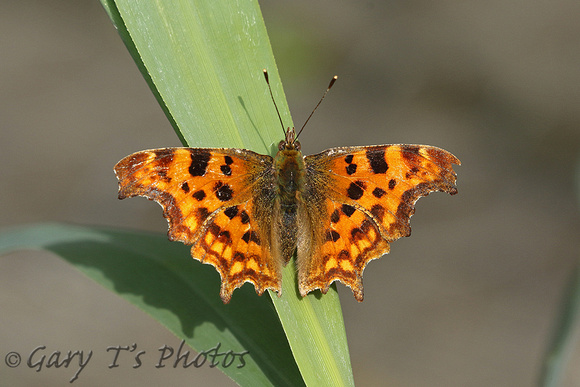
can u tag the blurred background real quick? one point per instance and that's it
(471, 299)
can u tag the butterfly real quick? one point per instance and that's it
(247, 214)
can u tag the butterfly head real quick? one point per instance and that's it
(290, 142)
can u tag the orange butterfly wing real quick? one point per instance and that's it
(357, 201)
(219, 201)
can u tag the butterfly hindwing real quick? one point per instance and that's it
(213, 199)
(369, 197)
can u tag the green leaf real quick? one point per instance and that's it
(203, 59)
(558, 357)
(158, 277)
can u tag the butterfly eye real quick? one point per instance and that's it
(297, 145)
(281, 145)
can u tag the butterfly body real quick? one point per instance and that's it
(289, 184)
(247, 214)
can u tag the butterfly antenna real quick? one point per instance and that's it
(318, 104)
(273, 100)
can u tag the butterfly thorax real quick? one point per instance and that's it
(289, 167)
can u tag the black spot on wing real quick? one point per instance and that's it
(379, 192)
(335, 216)
(231, 212)
(347, 210)
(223, 191)
(199, 162)
(376, 158)
(226, 170)
(355, 191)
(350, 168)
(199, 195)
(251, 236)
(332, 235)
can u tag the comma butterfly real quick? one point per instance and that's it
(246, 214)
